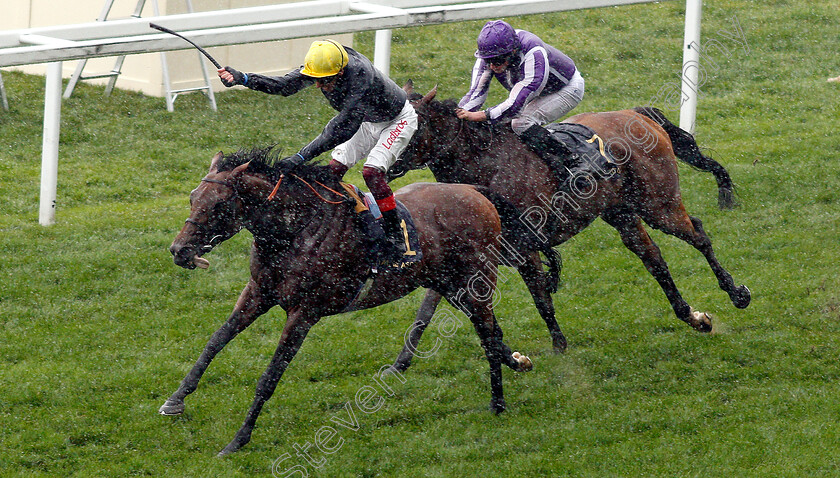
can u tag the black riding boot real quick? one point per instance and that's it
(550, 150)
(559, 158)
(374, 237)
(394, 238)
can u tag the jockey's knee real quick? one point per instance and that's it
(519, 125)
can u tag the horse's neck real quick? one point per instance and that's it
(476, 157)
(302, 226)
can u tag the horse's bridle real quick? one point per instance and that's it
(199, 225)
(219, 181)
(443, 150)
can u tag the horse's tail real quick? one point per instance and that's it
(522, 239)
(686, 150)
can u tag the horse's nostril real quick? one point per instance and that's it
(181, 253)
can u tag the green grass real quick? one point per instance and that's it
(99, 326)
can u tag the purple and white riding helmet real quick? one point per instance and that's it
(497, 38)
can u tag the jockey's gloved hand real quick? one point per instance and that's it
(239, 78)
(287, 165)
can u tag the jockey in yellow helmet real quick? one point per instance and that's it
(374, 120)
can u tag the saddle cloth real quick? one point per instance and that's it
(365, 200)
(413, 253)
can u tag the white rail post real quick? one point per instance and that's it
(3, 100)
(49, 149)
(691, 65)
(382, 51)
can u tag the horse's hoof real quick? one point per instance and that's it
(224, 453)
(525, 364)
(241, 439)
(231, 448)
(393, 369)
(172, 407)
(701, 321)
(559, 344)
(741, 297)
(497, 406)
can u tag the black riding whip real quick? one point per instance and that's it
(166, 30)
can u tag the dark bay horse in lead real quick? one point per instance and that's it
(308, 258)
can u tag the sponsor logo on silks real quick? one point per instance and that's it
(395, 134)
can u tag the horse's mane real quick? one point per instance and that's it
(447, 108)
(263, 160)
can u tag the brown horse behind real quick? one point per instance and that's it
(308, 257)
(645, 189)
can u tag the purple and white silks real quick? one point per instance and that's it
(541, 69)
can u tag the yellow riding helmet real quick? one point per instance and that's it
(324, 58)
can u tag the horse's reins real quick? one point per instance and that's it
(280, 181)
(322, 198)
(448, 145)
(489, 143)
(454, 138)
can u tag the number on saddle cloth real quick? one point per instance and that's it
(412, 241)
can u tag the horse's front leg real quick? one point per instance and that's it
(295, 330)
(412, 335)
(251, 304)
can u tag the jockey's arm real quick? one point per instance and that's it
(479, 87)
(338, 130)
(471, 115)
(286, 85)
(535, 77)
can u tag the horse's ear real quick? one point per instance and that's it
(238, 172)
(429, 96)
(214, 164)
(408, 87)
(240, 169)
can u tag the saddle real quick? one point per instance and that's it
(589, 153)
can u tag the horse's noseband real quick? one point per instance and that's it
(219, 181)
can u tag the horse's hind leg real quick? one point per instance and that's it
(690, 230)
(412, 335)
(534, 278)
(636, 239)
(248, 308)
(481, 315)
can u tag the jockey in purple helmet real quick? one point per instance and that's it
(544, 85)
